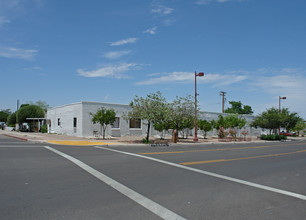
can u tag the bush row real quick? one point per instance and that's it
(273, 137)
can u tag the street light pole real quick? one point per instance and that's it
(279, 107)
(195, 103)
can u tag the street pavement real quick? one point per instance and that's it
(204, 181)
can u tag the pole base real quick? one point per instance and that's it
(195, 139)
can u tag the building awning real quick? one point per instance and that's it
(36, 119)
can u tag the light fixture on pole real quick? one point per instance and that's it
(195, 103)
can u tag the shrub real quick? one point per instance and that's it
(44, 128)
(146, 141)
(273, 137)
(222, 133)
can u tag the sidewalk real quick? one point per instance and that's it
(128, 140)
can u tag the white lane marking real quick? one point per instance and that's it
(16, 146)
(280, 191)
(152, 206)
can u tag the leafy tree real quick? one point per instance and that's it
(104, 117)
(24, 105)
(219, 123)
(11, 120)
(204, 126)
(234, 122)
(4, 115)
(29, 111)
(181, 113)
(43, 104)
(272, 119)
(300, 126)
(186, 125)
(238, 108)
(269, 119)
(289, 120)
(153, 109)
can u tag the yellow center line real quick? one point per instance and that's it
(242, 158)
(218, 149)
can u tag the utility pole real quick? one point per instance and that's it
(223, 100)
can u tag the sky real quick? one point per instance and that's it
(69, 51)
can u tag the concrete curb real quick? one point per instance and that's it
(20, 138)
(150, 145)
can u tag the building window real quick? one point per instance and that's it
(74, 122)
(59, 122)
(135, 123)
(116, 123)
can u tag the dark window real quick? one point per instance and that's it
(135, 123)
(74, 122)
(58, 121)
(116, 123)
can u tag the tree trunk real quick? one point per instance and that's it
(148, 131)
(104, 128)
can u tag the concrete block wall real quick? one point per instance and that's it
(66, 115)
(85, 127)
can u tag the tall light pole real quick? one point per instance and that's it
(279, 107)
(279, 100)
(195, 103)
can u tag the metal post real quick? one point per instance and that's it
(195, 118)
(279, 108)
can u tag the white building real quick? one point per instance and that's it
(75, 120)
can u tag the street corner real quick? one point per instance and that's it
(78, 143)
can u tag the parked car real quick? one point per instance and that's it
(287, 133)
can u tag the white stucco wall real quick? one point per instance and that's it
(66, 114)
(85, 127)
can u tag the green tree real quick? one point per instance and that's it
(104, 117)
(186, 125)
(29, 111)
(4, 115)
(152, 108)
(269, 119)
(204, 126)
(219, 123)
(300, 126)
(181, 113)
(289, 120)
(11, 120)
(234, 122)
(238, 108)
(272, 119)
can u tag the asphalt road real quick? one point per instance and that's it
(214, 181)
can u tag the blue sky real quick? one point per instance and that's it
(109, 51)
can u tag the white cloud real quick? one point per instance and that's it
(150, 30)
(282, 82)
(205, 2)
(116, 54)
(10, 52)
(183, 77)
(110, 71)
(124, 41)
(3, 21)
(162, 10)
